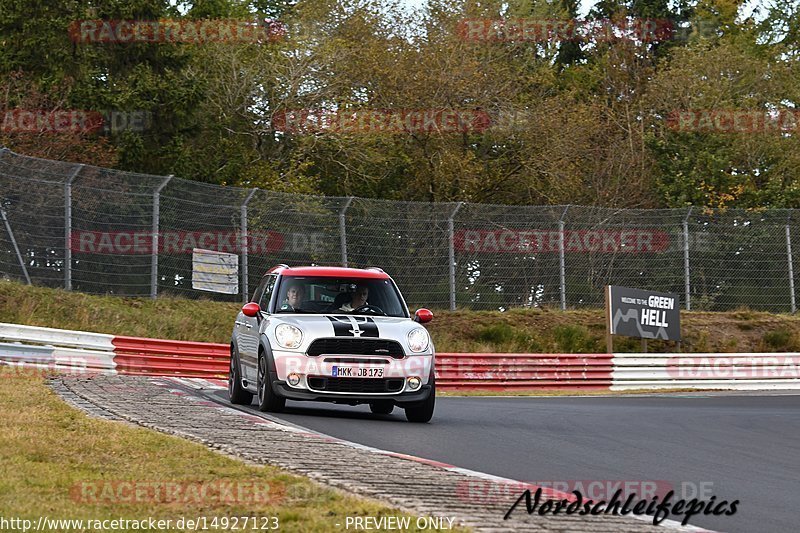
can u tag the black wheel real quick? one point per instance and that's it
(423, 412)
(381, 408)
(236, 393)
(267, 400)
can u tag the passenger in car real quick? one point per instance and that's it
(294, 297)
(358, 299)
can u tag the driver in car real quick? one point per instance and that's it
(359, 299)
(294, 297)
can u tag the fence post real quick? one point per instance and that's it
(562, 261)
(791, 264)
(686, 275)
(68, 228)
(154, 244)
(451, 254)
(16, 247)
(245, 244)
(343, 230)
(4, 151)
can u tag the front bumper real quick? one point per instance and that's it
(298, 363)
(402, 399)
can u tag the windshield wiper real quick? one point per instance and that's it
(294, 311)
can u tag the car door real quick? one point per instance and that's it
(249, 329)
(242, 333)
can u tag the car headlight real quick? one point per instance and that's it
(288, 336)
(418, 340)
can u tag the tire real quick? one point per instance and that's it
(268, 401)
(423, 412)
(236, 393)
(381, 408)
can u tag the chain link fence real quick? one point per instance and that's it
(110, 232)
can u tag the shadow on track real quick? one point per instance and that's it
(325, 410)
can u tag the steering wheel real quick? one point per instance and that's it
(366, 307)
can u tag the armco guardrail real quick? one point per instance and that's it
(141, 356)
(60, 337)
(58, 349)
(742, 371)
(508, 371)
(83, 352)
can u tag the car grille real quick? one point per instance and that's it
(344, 346)
(357, 360)
(366, 385)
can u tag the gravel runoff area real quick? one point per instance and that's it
(418, 487)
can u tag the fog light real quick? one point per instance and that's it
(414, 383)
(293, 379)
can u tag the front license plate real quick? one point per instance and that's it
(356, 372)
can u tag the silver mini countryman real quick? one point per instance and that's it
(331, 334)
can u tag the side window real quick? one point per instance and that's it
(260, 289)
(267, 294)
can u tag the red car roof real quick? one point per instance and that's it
(334, 272)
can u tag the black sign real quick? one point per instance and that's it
(645, 314)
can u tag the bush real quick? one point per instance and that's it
(501, 333)
(780, 340)
(575, 339)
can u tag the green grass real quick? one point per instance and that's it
(517, 330)
(781, 340)
(168, 318)
(51, 454)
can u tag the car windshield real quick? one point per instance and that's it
(376, 297)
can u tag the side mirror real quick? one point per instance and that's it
(423, 316)
(251, 309)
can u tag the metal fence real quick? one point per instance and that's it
(98, 230)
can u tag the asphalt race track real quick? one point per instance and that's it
(732, 446)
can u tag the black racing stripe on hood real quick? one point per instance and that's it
(343, 326)
(369, 327)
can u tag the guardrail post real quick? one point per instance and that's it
(14, 243)
(343, 230)
(791, 263)
(451, 254)
(245, 244)
(562, 261)
(154, 244)
(686, 275)
(68, 227)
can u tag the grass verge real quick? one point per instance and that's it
(57, 462)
